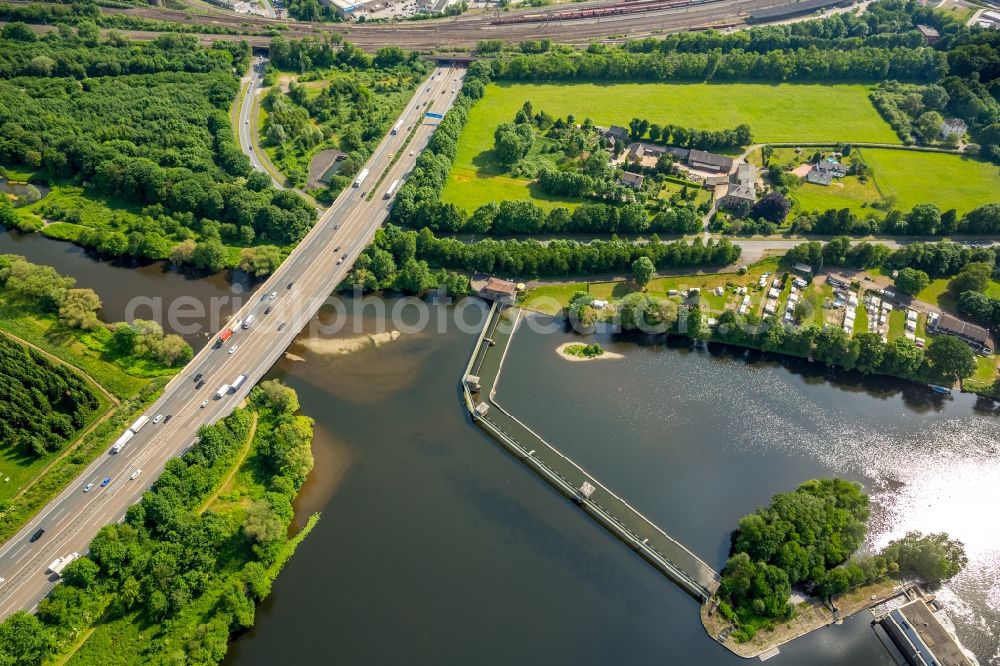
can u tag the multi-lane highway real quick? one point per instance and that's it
(299, 287)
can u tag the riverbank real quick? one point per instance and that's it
(811, 615)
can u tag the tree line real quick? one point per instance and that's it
(189, 577)
(42, 404)
(921, 220)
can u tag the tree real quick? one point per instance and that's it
(835, 347)
(415, 277)
(923, 220)
(512, 141)
(903, 357)
(928, 125)
(171, 350)
(912, 281)
(260, 261)
(974, 276)
(24, 640)
(183, 252)
(261, 525)
(209, 255)
(81, 572)
(79, 309)
(933, 557)
(773, 207)
(871, 352)
(643, 271)
(279, 397)
(950, 358)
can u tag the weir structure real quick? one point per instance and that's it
(479, 388)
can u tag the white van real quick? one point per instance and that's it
(238, 382)
(248, 322)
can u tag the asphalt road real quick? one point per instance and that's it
(255, 79)
(301, 284)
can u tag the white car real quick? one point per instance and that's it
(274, 295)
(232, 350)
(135, 475)
(157, 419)
(87, 488)
(203, 403)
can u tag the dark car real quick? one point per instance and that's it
(268, 309)
(336, 249)
(281, 325)
(167, 418)
(37, 535)
(289, 285)
(200, 384)
(197, 378)
(336, 226)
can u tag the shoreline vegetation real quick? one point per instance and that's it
(572, 351)
(193, 558)
(807, 540)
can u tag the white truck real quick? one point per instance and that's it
(139, 422)
(223, 390)
(238, 382)
(248, 322)
(60, 563)
(122, 441)
(398, 126)
(392, 189)
(361, 178)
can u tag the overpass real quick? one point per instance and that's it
(608, 509)
(294, 293)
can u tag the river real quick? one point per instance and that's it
(436, 546)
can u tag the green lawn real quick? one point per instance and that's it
(950, 181)
(846, 192)
(780, 112)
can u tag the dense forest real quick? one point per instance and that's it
(42, 404)
(176, 578)
(144, 128)
(806, 539)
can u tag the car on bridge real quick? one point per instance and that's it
(87, 488)
(232, 350)
(105, 482)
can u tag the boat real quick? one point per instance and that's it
(940, 389)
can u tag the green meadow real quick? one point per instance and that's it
(776, 113)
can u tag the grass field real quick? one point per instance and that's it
(950, 181)
(846, 192)
(781, 112)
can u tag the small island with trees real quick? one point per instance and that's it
(575, 351)
(808, 540)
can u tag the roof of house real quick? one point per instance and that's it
(617, 131)
(629, 178)
(964, 329)
(743, 183)
(498, 286)
(803, 268)
(679, 153)
(711, 159)
(928, 31)
(956, 123)
(831, 167)
(819, 177)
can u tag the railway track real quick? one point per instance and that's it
(617, 9)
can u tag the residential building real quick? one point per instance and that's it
(834, 169)
(639, 150)
(742, 185)
(929, 33)
(633, 180)
(953, 127)
(819, 177)
(617, 133)
(705, 161)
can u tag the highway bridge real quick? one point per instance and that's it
(294, 293)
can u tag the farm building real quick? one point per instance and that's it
(742, 185)
(699, 159)
(975, 335)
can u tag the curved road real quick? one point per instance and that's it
(312, 271)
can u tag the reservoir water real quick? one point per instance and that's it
(436, 546)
